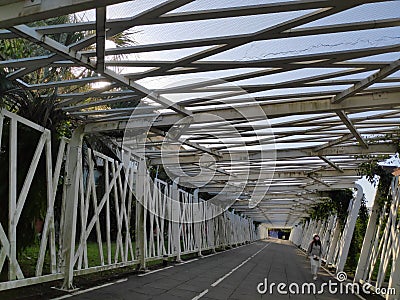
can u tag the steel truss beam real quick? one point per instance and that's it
(379, 100)
(370, 80)
(20, 11)
(52, 45)
(284, 154)
(323, 118)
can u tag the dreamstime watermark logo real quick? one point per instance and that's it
(338, 286)
(215, 146)
(341, 276)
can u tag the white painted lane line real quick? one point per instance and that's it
(205, 256)
(155, 271)
(237, 267)
(224, 251)
(186, 262)
(229, 273)
(200, 295)
(90, 289)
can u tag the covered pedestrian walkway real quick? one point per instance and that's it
(139, 132)
(233, 274)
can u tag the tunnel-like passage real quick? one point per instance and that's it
(136, 134)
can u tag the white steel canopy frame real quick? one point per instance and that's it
(328, 107)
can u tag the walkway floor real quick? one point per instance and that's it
(232, 274)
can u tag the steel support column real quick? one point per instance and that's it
(176, 236)
(394, 281)
(330, 259)
(197, 221)
(74, 169)
(393, 248)
(326, 240)
(12, 227)
(140, 210)
(349, 229)
(366, 249)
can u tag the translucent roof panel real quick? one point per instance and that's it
(126, 9)
(210, 29)
(294, 46)
(201, 5)
(365, 12)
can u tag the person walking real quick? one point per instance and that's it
(314, 253)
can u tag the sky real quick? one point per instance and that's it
(369, 191)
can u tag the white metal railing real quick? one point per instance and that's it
(380, 251)
(335, 242)
(18, 199)
(118, 180)
(197, 230)
(104, 228)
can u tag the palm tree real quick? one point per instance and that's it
(39, 107)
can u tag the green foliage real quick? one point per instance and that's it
(8, 48)
(371, 170)
(374, 172)
(40, 108)
(36, 203)
(337, 202)
(66, 38)
(381, 179)
(5, 84)
(10, 94)
(322, 210)
(341, 200)
(124, 38)
(29, 256)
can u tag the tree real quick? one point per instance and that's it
(337, 202)
(40, 108)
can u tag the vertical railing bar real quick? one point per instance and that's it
(108, 228)
(12, 226)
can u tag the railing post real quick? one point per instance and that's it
(74, 170)
(327, 233)
(140, 210)
(176, 236)
(349, 229)
(222, 230)
(12, 226)
(296, 234)
(330, 258)
(304, 233)
(198, 221)
(367, 243)
(212, 223)
(394, 280)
